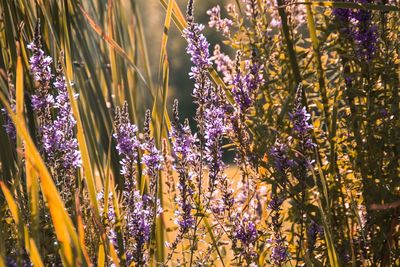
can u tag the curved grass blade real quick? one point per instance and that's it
(117, 48)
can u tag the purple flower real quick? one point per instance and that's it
(245, 84)
(198, 49)
(214, 130)
(222, 25)
(224, 64)
(40, 65)
(139, 220)
(152, 159)
(9, 125)
(357, 25)
(140, 210)
(244, 231)
(63, 141)
(184, 151)
(56, 130)
(301, 125)
(364, 33)
(280, 157)
(279, 253)
(312, 233)
(127, 144)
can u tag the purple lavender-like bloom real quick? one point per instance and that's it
(40, 64)
(245, 84)
(139, 223)
(198, 49)
(152, 159)
(127, 144)
(357, 25)
(279, 253)
(245, 231)
(9, 125)
(301, 126)
(222, 25)
(210, 113)
(184, 151)
(109, 217)
(59, 142)
(312, 233)
(214, 131)
(365, 33)
(57, 135)
(224, 64)
(140, 210)
(280, 156)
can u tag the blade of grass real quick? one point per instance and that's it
(117, 48)
(30, 245)
(317, 56)
(87, 165)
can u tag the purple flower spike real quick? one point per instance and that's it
(221, 25)
(184, 151)
(127, 144)
(40, 64)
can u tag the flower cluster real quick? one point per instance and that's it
(222, 25)
(312, 233)
(300, 119)
(57, 133)
(40, 65)
(58, 138)
(279, 253)
(245, 237)
(140, 210)
(184, 150)
(357, 25)
(9, 125)
(246, 83)
(127, 144)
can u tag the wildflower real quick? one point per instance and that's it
(139, 223)
(245, 84)
(364, 33)
(224, 64)
(141, 210)
(280, 253)
(152, 158)
(127, 144)
(184, 151)
(198, 49)
(61, 145)
(109, 216)
(214, 131)
(301, 126)
(9, 125)
(312, 232)
(222, 25)
(57, 134)
(357, 25)
(244, 236)
(281, 160)
(42, 100)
